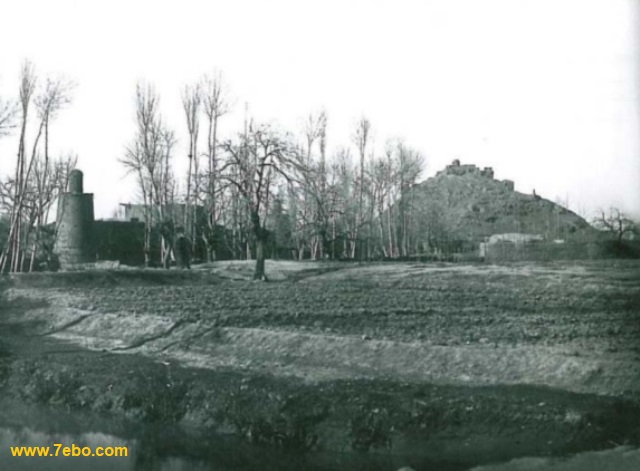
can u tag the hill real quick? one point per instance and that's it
(466, 203)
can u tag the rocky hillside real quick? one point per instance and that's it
(464, 202)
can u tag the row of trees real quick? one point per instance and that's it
(262, 181)
(27, 196)
(265, 181)
(267, 186)
(345, 209)
(262, 189)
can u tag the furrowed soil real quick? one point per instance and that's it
(436, 366)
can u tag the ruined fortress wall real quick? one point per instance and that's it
(74, 229)
(458, 169)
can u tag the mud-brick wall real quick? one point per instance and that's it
(122, 241)
(546, 251)
(74, 243)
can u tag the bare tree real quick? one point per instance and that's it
(345, 214)
(306, 199)
(148, 157)
(164, 187)
(392, 193)
(323, 212)
(55, 94)
(49, 179)
(316, 175)
(253, 164)
(381, 177)
(191, 102)
(409, 168)
(334, 203)
(27, 87)
(361, 139)
(216, 105)
(8, 111)
(615, 222)
(314, 212)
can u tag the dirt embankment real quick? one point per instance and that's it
(330, 363)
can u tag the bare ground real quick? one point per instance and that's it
(574, 328)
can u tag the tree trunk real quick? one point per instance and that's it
(261, 235)
(259, 271)
(32, 261)
(383, 245)
(333, 239)
(323, 242)
(211, 253)
(166, 253)
(188, 197)
(392, 251)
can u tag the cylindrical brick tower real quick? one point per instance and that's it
(74, 225)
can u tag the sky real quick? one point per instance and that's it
(547, 92)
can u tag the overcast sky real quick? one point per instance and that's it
(545, 92)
